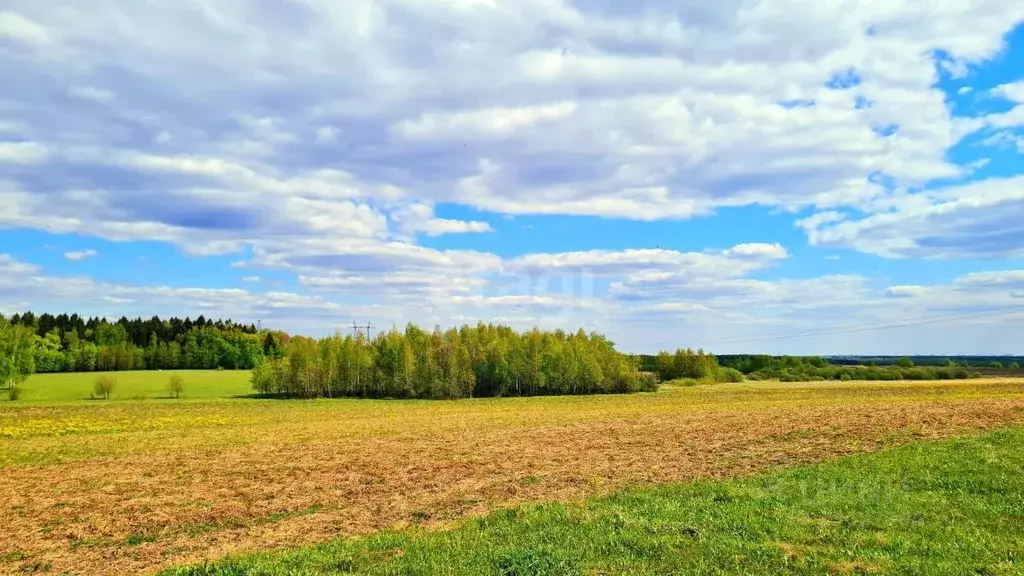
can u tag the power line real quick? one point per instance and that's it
(870, 328)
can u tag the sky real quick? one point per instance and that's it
(837, 177)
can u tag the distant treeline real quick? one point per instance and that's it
(991, 362)
(701, 366)
(471, 361)
(71, 343)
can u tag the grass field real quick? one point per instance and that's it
(130, 486)
(76, 387)
(951, 507)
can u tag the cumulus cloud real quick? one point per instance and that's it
(1012, 91)
(652, 110)
(80, 255)
(322, 139)
(980, 219)
(419, 218)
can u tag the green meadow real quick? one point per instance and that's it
(135, 385)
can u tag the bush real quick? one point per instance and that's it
(176, 386)
(729, 375)
(1014, 366)
(683, 382)
(645, 382)
(13, 393)
(103, 386)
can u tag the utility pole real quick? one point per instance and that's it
(369, 328)
(355, 340)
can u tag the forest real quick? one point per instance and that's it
(71, 343)
(482, 360)
(472, 361)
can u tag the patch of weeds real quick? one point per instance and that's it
(278, 516)
(137, 539)
(12, 557)
(77, 543)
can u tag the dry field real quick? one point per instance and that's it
(134, 486)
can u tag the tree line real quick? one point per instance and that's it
(686, 364)
(485, 360)
(71, 343)
(812, 368)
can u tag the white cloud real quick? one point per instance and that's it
(10, 266)
(321, 136)
(979, 219)
(735, 261)
(251, 279)
(80, 255)
(1009, 278)
(420, 218)
(488, 121)
(1013, 91)
(17, 27)
(647, 111)
(326, 134)
(23, 153)
(1005, 140)
(92, 93)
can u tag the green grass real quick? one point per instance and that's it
(952, 507)
(76, 387)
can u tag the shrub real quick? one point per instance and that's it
(684, 382)
(176, 386)
(645, 382)
(103, 386)
(729, 375)
(1014, 366)
(13, 393)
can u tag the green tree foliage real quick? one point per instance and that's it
(685, 363)
(996, 365)
(904, 362)
(482, 360)
(175, 386)
(804, 369)
(17, 360)
(72, 344)
(1014, 366)
(103, 386)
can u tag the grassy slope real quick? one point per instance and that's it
(75, 387)
(950, 507)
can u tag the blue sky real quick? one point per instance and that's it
(730, 176)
